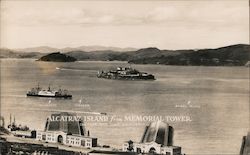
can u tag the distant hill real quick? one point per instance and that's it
(95, 55)
(40, 49)
(57, 57)
(234, 55)
(47, 49)
(8, 53)
(98, 48)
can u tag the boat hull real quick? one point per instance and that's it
(150, 77)
(54, 96)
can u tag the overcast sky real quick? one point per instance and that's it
(163, 24)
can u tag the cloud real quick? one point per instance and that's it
(161, 14)
(198, 13)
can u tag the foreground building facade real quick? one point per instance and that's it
(157, 138)
(67, 129)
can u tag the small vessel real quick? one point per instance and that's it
(19, 130)
(39, 92)
(125, 73)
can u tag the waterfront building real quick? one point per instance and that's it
(19, 130)
(68, 129)
(157, 138)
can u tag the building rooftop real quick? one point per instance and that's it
(159, 132)
(65, 122)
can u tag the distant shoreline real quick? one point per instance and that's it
(112, 62)
(233, 55)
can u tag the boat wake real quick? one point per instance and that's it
(16, 96)
(75, 69)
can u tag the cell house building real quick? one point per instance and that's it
(157, 138)
(68, 129)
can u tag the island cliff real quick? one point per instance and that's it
(57, 57)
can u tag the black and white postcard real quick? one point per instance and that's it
(124, 77)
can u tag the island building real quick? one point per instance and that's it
(157, 138)
(67, 129)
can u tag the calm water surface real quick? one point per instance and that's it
(219, 94)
